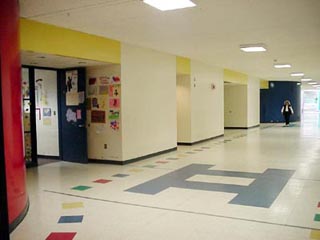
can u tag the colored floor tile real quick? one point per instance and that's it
(319, 205)
(315, 234)
(71, 219)
(163, 162)
(72, 205)
(61, 236)
(317, 218)
(103, 181)
(120, 175)
(150, 166)
(81, 188)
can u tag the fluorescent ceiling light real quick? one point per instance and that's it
(312, 83)
(260, 47)
(165, 5)
(282, 65)
(306, 79)
(316, 85)
(297, 74)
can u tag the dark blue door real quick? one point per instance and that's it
(73, 133)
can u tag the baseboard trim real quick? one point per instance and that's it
(200, 141)
(255, 126)
(49, 157)
(20, 218)
(106, 161)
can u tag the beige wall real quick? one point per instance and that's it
(149, 115)
(253, 101)
(184, 108)
(100, 134)
(235, 105)
(207, 105)
(242, 104)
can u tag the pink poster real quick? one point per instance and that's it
(114, 103)
(78, 113)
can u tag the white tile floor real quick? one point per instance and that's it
(110, 212)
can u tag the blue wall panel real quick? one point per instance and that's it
(271, 101)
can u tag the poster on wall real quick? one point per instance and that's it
(79, 115)
(71, 115)
(114, 103)
(114, 114)
(114, 90)
(115, 79)
(25, 89)
(47, 121)
(103, 101)
(103, 90)
(72, 99)
(92, 90)
(98, 116)
(46, 112)
(92, 81)
(95, 103)
(40, 93)
(72, 81)
(115, 125)
(104, 80)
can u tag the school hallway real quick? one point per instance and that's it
(261, 183)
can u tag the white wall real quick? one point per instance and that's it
(253, 101)
(184, 108)
(149, 118)
(235, 105)
(47, 127)
(207, 107)
(100, 134)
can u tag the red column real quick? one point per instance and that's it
(12, 113)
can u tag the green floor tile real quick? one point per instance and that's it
(81, 188)
(317, 217)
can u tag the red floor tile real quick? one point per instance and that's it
(61, 236)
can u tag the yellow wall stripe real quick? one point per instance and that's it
(264, 84)
(234, 77)
(45, 38)
(183, 65)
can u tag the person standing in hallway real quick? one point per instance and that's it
(287, 111)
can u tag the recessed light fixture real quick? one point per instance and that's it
(259, 47)
(282, 65)
(297, 74)
(312, 83)
(166, 5)
(306, 79)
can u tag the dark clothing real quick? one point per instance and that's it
(287, 117)
(287, 111)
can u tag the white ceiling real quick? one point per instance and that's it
(210, 32)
